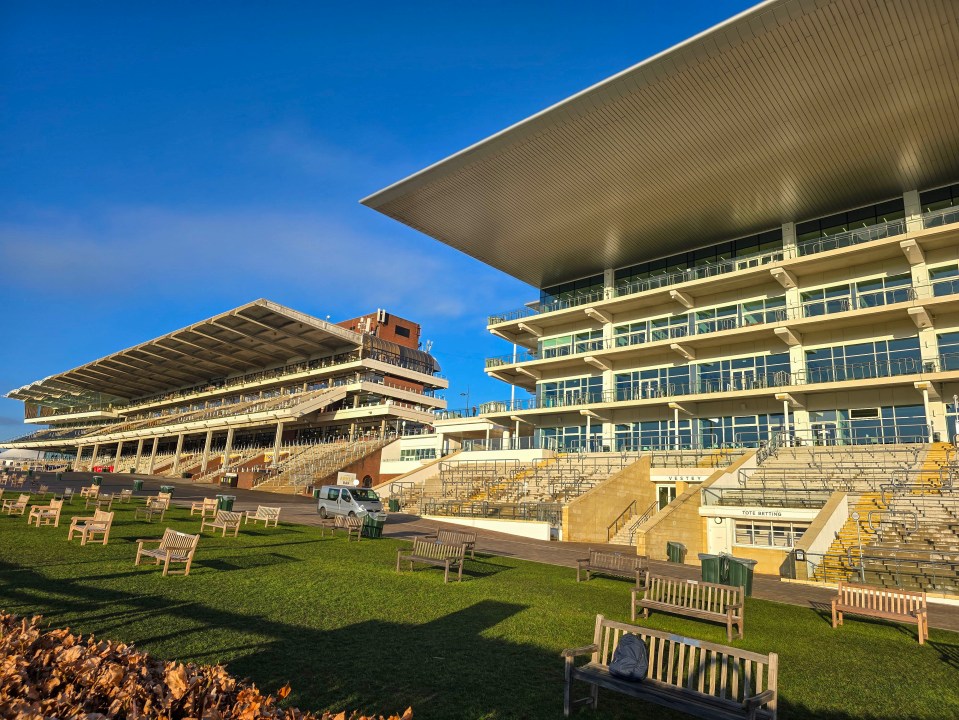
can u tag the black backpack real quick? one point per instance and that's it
(630, 660)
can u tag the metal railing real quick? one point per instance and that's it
(797, 498)
(542, 512)
(852, 237)
(943, 216)
(614, 527)
(695, 324)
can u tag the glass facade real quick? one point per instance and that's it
(704, 257)
(944, 280)
(882, 358)
(575, 391)
(862, 426)
(948, 350)
(810, 231)
(654, 435)
(571, 344)
(556, 295)
(939, 199)
(772, 534)
(864, 293)
(572, 437)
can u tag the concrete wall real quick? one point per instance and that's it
(586, 518)
(818, 538)
(769, 561)
(523, 528)
(680, 521)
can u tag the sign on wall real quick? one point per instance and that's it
(345, 478)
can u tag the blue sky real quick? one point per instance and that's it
(163, 162)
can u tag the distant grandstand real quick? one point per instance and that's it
(277, 396)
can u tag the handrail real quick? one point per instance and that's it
(647, 514)
(891, 513)
(620, 520)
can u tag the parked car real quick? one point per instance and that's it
(344, 500)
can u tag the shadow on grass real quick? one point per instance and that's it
(246, 562)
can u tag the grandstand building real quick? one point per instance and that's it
(272, 394)
(724, 249)
(746, 335)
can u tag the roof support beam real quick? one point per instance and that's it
(924, 386)
(535, 374)
(784, 277)
(234, 344)
(597, 363)
(229, 367)
(790, 337)
(534, 330)
(920, 316)
(912, 251)
(686, 352)
(298, 339)
(498, 376)
(598, 315)
(795, 402)
(683, 408)
(682, 298)
(593, 414)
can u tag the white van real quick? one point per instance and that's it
(346, 500)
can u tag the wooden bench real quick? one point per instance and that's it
(18, 506)
(46, 514)
(90, 527)
(265, 514)
(885, 603)
(172, 547)
(695, 677)
(702, 600)
(207, 507)
(351, 523)
(457, 537)
(224, 520)
(89, 491)
(429, 552)
(604, 562)
(153, 508)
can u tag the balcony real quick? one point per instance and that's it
(743, 380)
(744, 317)
(943, 216)
(851, 237)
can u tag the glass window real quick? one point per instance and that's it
(949, 350)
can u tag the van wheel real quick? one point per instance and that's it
(323, 513)
(352, 514)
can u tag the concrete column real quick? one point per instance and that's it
(206, 450)
(136, 463)
(786, 416)
(116, 462)
(913, 208)
(789, 239)
(76, 463)
(228, 448)
(383, 428)
(93, 460)
(277, 444)
(153, 454)
(609, 282)
(179, 449)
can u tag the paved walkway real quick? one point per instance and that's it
(302, 510)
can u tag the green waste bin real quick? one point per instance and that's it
(137, 484)
(59, 476)
(225, 502)
(316, 493)
(166, 489)
(394, 505)
(675, 552)
(741, 573)
(97, 480)
(373, 526)
(712, 566)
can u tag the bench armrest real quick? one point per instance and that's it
(585, 650)
(757, 701)
(735, 606)
(582, 561)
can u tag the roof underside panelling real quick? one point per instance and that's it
(794, 109)
(252, 337)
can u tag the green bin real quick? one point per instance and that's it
(316, 493)
(59, 476)
(741, 573)
(225, 502)
(137, 484)
(675, 552)
(712, 566)
(394, 505)
(97, 480)
(166, 489)
(372, 528)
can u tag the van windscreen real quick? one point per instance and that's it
(362, 494)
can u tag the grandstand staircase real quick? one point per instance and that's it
(834, 566)
(316, 463)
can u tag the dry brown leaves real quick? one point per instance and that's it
(56, 674)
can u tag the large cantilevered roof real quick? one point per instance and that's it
(791, 110)
(261, 334)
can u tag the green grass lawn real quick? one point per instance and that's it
(336, 621)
